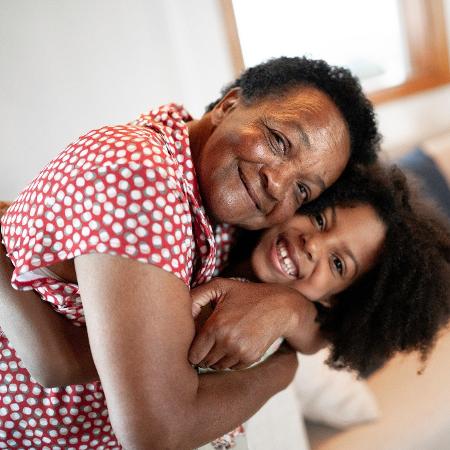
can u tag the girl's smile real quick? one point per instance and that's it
(320, 255)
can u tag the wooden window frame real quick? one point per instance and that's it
(426, 41)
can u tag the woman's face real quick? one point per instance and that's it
(262, 161)
(320, 255)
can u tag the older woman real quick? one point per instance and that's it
(159, 192)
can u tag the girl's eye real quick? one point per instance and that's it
(338, 264)
(320, 221)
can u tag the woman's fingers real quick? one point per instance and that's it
(196, 309)
(201, 346)
(206, 293)
(226, 362)
(215, 355)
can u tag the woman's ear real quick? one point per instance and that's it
(227, 103)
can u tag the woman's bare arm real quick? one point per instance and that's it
(54, 351)
(68, 359)
(243, 325)
(140, 328)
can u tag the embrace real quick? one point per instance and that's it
(276, 185)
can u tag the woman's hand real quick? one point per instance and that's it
(247, 319)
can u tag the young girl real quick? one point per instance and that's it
(372, 257)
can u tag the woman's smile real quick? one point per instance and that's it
(253, 166)
(251, 193)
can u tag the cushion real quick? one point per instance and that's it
(332, 397)
(277, 425)
(432, 180)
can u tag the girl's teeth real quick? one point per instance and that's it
(283, 256)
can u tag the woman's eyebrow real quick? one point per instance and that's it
(303, 136)
(293, 124)
(318, 181)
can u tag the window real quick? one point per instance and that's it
(396, 47)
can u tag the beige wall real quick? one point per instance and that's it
(408, 121)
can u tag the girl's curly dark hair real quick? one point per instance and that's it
(279, 76)
(402, 303)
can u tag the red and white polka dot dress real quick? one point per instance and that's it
(125, 190)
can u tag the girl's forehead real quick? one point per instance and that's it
(362, 232)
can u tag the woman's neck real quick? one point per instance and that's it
(199, 132)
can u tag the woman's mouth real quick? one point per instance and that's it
(250, 192)
(284, 259)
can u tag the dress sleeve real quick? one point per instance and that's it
(132, 211)
(124, 200)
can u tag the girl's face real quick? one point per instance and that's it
(320, 255)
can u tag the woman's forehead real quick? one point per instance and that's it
(297, 100)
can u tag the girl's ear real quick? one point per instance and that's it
(227, 103)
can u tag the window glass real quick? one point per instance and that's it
(365, 36)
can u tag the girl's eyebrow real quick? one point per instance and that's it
(349, 253)
(346, 250)
(333, 215)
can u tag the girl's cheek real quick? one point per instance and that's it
(320, 285)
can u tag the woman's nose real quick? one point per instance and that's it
(277, 180)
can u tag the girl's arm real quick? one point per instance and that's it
(54, 351)
(140, 326)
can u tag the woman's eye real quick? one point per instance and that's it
(320, 221)
(339, 265)
(304, 192)
(279, 142)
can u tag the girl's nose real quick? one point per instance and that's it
(307, 255)
(312, 246)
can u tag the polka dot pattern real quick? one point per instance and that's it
(32, 417)
(125, 190)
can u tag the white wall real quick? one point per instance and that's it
(67, 66)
